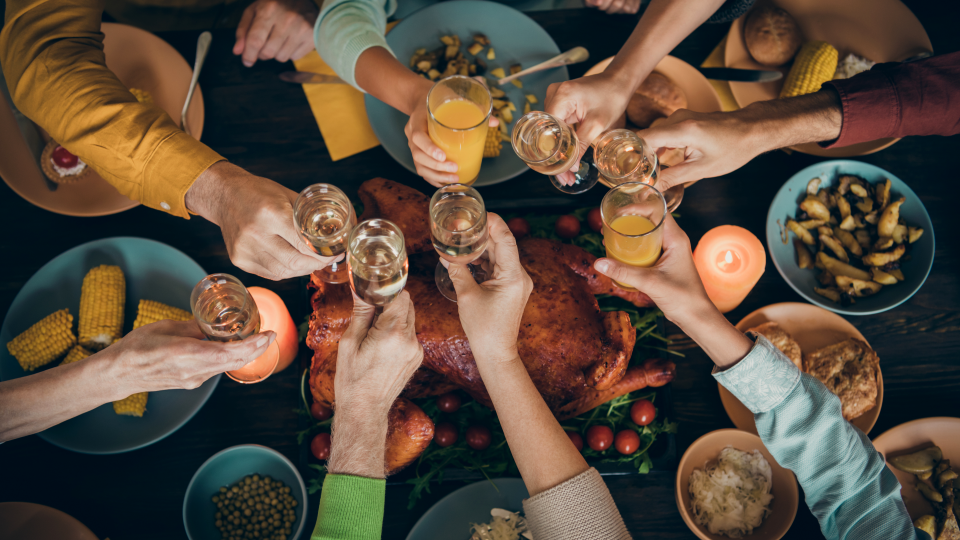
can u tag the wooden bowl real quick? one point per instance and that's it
(812, 327)
(879, 30)
(139, 59)
(706, 449)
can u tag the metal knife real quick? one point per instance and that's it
(307, 77)
(740, 75)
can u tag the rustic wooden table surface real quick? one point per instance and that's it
(265, 126)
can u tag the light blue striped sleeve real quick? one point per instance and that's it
(346, 28)
(846, 483)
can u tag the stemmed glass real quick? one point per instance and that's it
(324, 217)
(633, 215)
(377, 259)
(459, 111)
(623, 156)
(225, 311)
(458, 224)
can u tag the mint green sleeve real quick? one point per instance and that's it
(346, 28)
(351, 508)
(846, 483)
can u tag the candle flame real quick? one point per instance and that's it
(729, 261)
(728, 258)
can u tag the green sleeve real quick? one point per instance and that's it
(351, 508)
(346, 28)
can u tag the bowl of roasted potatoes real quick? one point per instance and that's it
(850, 237)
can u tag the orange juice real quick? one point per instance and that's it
(462, 145)
(633, 250)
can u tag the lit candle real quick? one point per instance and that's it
(730, 261)
(274, 316)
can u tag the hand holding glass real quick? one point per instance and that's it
(458, 224)
(377, 259)
(459, 112)
(324, 217)
(633, 215)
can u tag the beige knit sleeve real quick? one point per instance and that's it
(579, 509)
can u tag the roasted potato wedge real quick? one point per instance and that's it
(882, 277)
(813, 186)
(882, 194)
(844, 206)
(900, 234)
(918, 462)
(834, 245)
(873, 217)
(815, 208)
(848, 241)
(886, 257)
(858, 190)
(883, 244)
(890, 218)
(804, 257)
(827, 279)
(810, 224)
(914, 234)
(929, 493)
(839, 268)
(848, 224)
(832, 294)
(824, 231)
(924, 475)
(858, 287)
(897, 273)
(863, 238)
(927, 524)
(826, 198)
(945, 476)
(803, 234)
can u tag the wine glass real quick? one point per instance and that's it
(458, 224)
(458, 117)
(633, 215)
(377, 259)
(324, 217)
(623, 156)
(550, 146)
(225, 311)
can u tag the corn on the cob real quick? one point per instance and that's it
(491, 146)
(101, 307)
(76, 354)
(45, 341)
(131, 406)
(150, 312)
(814, 65)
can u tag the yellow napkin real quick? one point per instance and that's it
(722, 87)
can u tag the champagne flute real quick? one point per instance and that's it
(377, 259)
(550, 146)
(623, 156)
(458, 224)
(225, 311)
(633, 215)
(324, 217)
(458, 116)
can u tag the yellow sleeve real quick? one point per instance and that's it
(52, 57)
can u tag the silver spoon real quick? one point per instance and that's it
(203, 45)
(573, 56)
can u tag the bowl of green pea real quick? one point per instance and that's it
(245, 492)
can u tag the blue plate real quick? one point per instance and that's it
(454, 514)
(154, 271)
(516, 38)
(785, 205)
(225, 468)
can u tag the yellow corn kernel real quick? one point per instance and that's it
(101, 307)
(133, 405)
(142, 96)
(150, 312)
(76, 354)
(491, 146)
(814, 65)
(45, 341)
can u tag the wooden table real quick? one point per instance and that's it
(265, 126)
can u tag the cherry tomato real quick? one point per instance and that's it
(320, 446)
(448, 403)
(642, 412)
(519, 227)
(576, 439)
(599, 438)
(445, 434)
(595, 220)
(567, 226)
(478, 437)
(627, 442)
(63, 158)
(318, 411)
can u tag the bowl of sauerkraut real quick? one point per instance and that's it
(729, 486)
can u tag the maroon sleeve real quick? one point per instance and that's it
(896, 100)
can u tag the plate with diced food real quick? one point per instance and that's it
(82, 302)
(814, 41)
(850, 237)
(485, 510)
(477, 39)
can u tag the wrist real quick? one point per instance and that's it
(498, 356)
(205, 195)
(113, 378)
(416, 93)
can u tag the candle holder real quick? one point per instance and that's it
(730, 261)
(633, 215)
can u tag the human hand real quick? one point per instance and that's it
(169, 355)
(490, 312)
(280, 29)
(615, 6)
(256, 217)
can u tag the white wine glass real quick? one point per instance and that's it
(324, 217)
(377, 259)
(458, 224)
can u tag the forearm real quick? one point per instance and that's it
(358, 439)
(542, 450)
(345, 29)
(381, 75)
(779, 123)
(722, 342)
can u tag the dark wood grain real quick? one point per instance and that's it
(266, 126)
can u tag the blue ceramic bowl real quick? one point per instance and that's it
(154, 271)
(516, 39)
(225, 468)
(785, 205)
(454, 514)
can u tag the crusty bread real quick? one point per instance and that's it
(657, 97)
(849, 370)
(781, 340)
(772, 36)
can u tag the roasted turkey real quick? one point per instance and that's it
(576, 354)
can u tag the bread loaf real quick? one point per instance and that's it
(657, 97)
(772, 36)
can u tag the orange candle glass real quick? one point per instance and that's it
(275, 316)
(730, 261)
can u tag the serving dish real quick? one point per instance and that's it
(786, 496)
(879, 30)
(139, 59)
(784, 205)
(153, 271)
(516, 39)
(453, 515)
(28, 521)
(812, 328)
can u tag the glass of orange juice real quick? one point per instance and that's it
(459, 110)
(633, 215)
